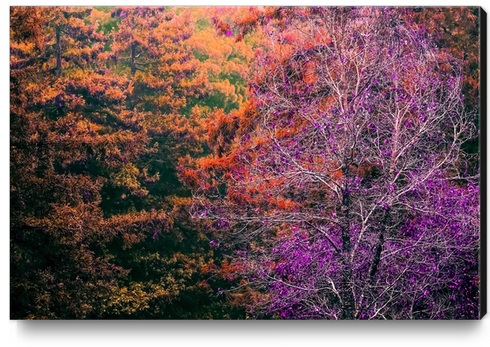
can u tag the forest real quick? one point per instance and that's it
(245, 163)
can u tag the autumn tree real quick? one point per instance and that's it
(146, 47)
(458, 33)
(67, 141)
(342, 185)
(226, 61)
(82, 140)
(169, 83)
(150, 41)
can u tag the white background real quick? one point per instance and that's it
(210, 333)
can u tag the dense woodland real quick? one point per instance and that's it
(244, 163)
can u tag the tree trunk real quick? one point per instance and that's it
(346, 288)
(133, 60)
(58, 52)
(374, 265)
(377, 257)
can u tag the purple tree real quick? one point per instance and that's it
(347, 191)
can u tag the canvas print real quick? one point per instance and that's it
(304, 163)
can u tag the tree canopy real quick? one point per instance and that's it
(241, 163)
